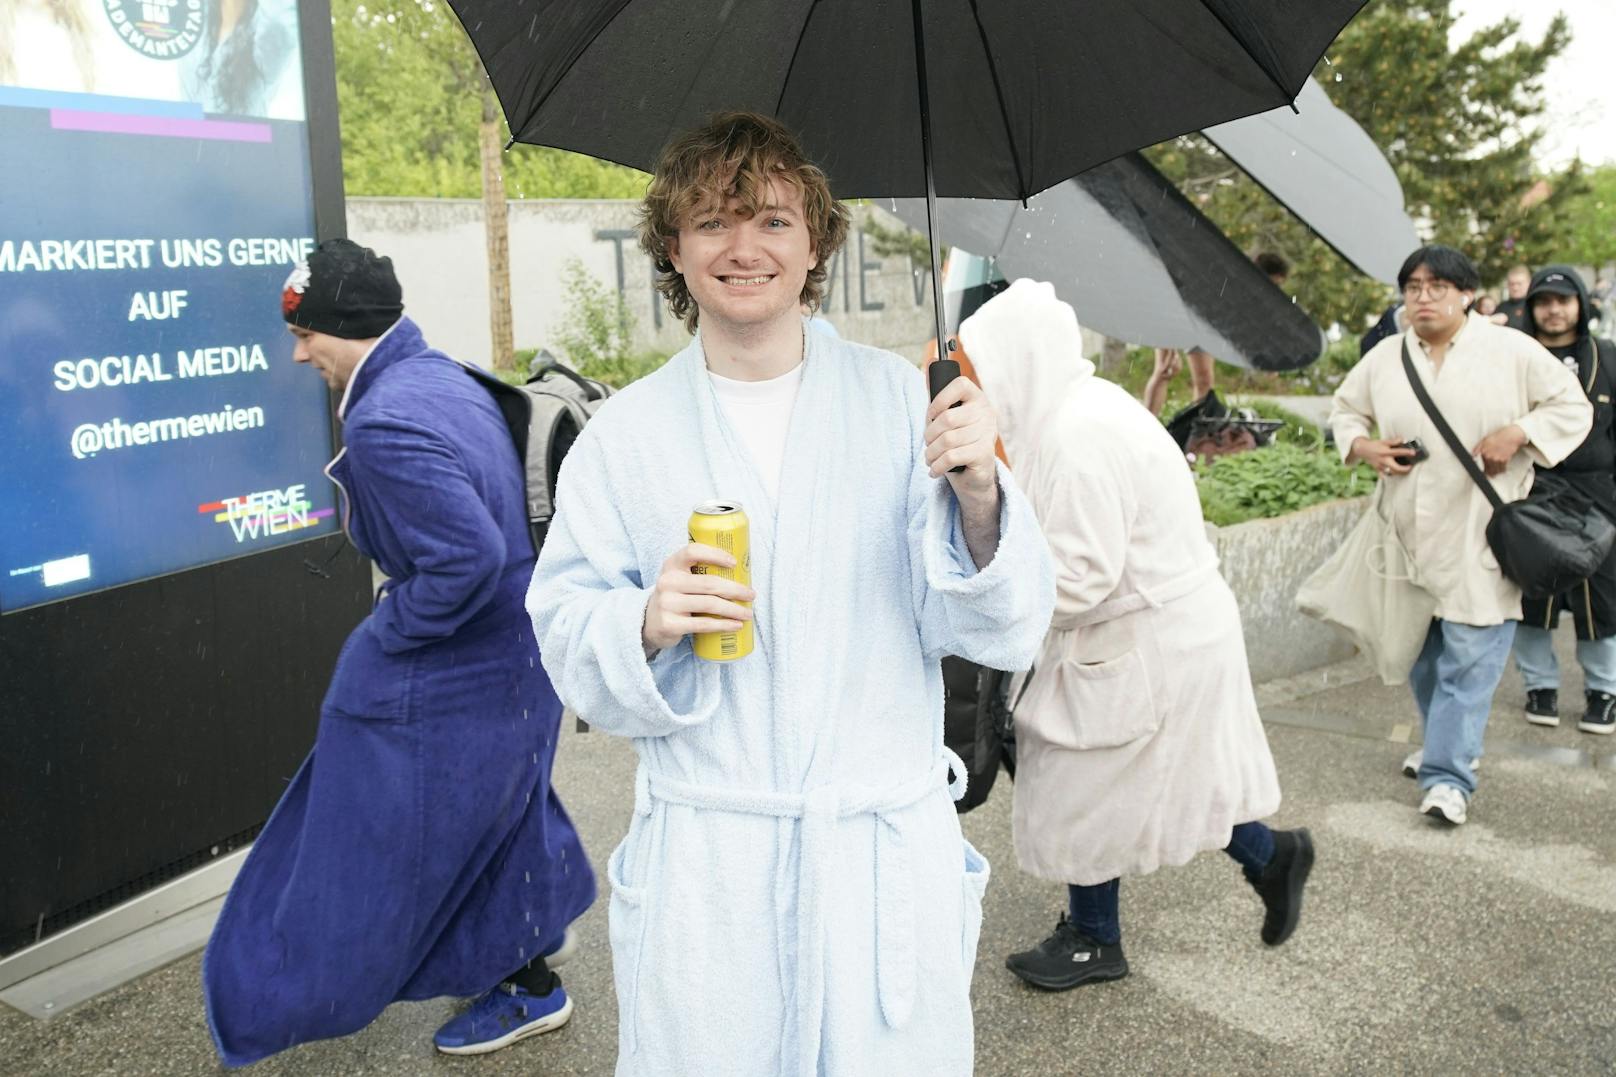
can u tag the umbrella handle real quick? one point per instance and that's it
(938, 375)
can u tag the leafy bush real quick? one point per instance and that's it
(597, 326)
(618, 370)
(596, 335)
(1274, 480)
(1319, 378)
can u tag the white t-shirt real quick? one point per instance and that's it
(760, 412)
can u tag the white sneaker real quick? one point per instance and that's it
(1412, 761)
(1444, 802)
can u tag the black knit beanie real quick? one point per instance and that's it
(343, 290)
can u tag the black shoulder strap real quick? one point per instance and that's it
(1442, 426)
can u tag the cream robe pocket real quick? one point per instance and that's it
(1098, 704)
(975, 884)
(625, 917)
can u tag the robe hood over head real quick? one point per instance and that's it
(1027, 348)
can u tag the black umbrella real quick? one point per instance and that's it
(1136, 261)
(1016, 94)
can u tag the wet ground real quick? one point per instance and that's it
(1486, 949)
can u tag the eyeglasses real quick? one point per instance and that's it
(1436, 289)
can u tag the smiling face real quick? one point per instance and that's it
(746, 273)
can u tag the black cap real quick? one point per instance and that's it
(343, 290)
(1556, 279)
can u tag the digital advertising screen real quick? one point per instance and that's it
(155, 192)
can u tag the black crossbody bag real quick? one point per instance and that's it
(1548, 540)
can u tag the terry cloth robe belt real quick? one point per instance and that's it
(1148, 598)
(816, 811)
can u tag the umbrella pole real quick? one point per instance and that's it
(944, 370)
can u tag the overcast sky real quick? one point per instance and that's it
(1580, 84)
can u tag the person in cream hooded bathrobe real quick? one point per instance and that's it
(1138, 740)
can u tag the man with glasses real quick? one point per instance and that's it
(1513, 405)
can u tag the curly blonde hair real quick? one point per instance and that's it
(735, 155)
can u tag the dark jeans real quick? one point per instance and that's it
(1094, 909)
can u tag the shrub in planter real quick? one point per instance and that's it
(1274, 480)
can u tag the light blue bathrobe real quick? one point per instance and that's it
(794, 895)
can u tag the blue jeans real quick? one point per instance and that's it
(1453, 681)
(1095, 909)
(1534, 654)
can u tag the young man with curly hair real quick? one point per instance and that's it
(794, 895)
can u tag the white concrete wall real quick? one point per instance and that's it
(438, 249)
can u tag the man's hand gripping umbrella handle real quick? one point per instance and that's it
(938, 375)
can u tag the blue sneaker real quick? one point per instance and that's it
(501, 1017)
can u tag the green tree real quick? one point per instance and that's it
(1458, 123)
(411, 93)
(1593, 221)
(420, 118)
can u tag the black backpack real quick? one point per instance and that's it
(978, 726)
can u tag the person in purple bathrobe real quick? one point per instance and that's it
(420, 850)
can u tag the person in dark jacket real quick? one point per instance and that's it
(1394, 320)
(420, 849)
(1557, 314)
(1517, 285)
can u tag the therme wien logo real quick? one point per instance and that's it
(265, 513)
(161, 29)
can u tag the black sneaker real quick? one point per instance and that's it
(1543, 706)
(1068, 959)
(1280, 885)
(1601, 716)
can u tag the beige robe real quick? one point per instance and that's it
(1138, 740)
(1491, 377)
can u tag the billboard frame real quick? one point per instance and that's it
(211, 675)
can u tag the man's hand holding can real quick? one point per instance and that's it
(684, 602)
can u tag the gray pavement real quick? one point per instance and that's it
(1489, 949)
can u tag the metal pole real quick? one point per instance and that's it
(940, 373)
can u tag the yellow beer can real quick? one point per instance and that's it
(722, 524)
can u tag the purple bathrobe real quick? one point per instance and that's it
(420, 850)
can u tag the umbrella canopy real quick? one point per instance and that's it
(1136, 261)
(1324, 168)
(1022, 93)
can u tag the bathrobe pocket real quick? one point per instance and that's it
(626, 917)
(975, 884)
(369, 683)
(1097, 704)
